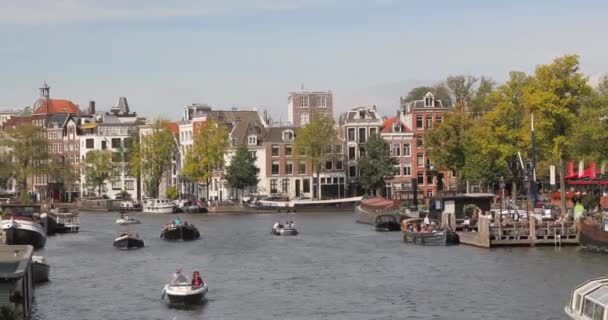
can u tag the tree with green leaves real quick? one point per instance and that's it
(242, 172)
(462, 89)
(439, 91)
(313, 141)
(27, 147)
(60, 171)
(446, 143)
(555, 96)
(480, 101)
(376, 164)
(172, 193)
(98, 168)
(153, 158)
(207, 153)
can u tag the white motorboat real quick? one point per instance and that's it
(127, 220)
(40, 269)
(589, 301)
(181, 291)
(284, 230)
(158, 206)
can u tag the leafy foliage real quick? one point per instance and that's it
(376, 164)
(242, 172)
(462, 89)
(98, 168)
(207, 153)
(313, 141)
(440, 91)
(446, 143)
(171, 193)
(154, 155)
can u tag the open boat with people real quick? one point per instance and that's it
(183, 291)
(180, 230)
(387, 222)
(158, 206)
(126, 220)
(589, 300)
(40, 269)
(286, 229)
(21, 225)
(426, 231)
(128, 241)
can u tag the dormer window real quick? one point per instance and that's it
(287, 135)
(396, 127)
(429, 100)
(252, 140)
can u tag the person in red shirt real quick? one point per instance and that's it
(196, 279)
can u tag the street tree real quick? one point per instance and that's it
(156, 150)
(555, 96)
(480, 102)
(376, 165)
(27, 148)
(98, 168)
(313, 141)
(242, 172)
(207, 152)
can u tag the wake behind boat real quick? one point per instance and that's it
(128, 241)
(182, 291)
(21, 225)
(180, 230)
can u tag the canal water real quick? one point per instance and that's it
(335, 269)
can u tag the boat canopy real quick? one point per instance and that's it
(590, 300)
(377, 203)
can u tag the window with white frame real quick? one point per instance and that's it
(304, 117)
(275, 150)
(351, 134)
(252, 140)
(396, 127)
(397, 170)
(129, 184)
(275, 167)
(395, 150)
(420, 160)
(406, 150)
(407, 170)
(322, 102)
(287, 135)
(304, 101)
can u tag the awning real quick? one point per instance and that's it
(89, 126)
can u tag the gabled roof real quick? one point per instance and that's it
(51, 106)
(387, 126)
(275, 134)
(56, 121)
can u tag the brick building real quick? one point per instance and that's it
(303, 107)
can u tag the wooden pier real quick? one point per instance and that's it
(490, 234)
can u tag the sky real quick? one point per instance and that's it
(163, 55)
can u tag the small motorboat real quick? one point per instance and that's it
(128, 241)
(125, 220)
(180, 231)
(181, 291)
(284, 230)
(387, 222)
(412, 233)
(40, 269)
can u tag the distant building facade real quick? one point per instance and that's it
(304, 107)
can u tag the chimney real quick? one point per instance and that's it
(92, 107)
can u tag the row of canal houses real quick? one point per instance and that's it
(72, 133)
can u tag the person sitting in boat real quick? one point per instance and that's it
(177, 277)
(196, 279)
(177, 221)
(276, 225)
(427, 221)
(466, 224)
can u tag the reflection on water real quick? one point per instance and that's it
(335, 269)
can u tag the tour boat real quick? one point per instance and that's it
(40, 269)
(443, 236)
(127, 220)
(191, 207)
(593, 235)
(180, 231)
(21, 226)
(589, 300)
(158, 206)
(129, 206)
(181, 291)
(284, 231)
(387, 222)
(284, 204)
(66, 221)
(127, 241)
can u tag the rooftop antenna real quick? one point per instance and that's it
(302, 87)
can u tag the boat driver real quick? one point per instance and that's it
(196, 279)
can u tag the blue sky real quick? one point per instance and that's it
(163, 55)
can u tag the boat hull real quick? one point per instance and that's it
(284, 232)
(128, 243)
(388, 226)
(592, 237)
(50, 224)
(441, 238)
(24, 232)
(184, 233)
(185, 295)
(40, 272)
(124, 222)
(158, 210)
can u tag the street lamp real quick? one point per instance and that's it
(502, 195)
